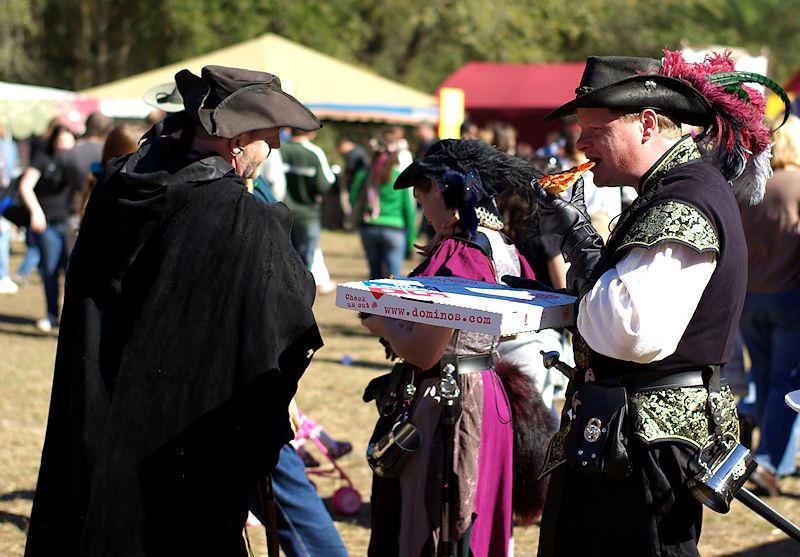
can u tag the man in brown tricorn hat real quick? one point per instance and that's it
(187, 323)
(658, 304)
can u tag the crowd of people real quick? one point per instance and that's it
(63, 166)
(162, 415)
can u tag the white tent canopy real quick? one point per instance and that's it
(333, 89)
(18, 91)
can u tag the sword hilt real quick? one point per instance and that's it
(552, 360)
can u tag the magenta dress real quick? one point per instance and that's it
(483, 458)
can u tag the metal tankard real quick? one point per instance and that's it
(725, 465)
(388, 455)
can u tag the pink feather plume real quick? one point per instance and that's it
(733, 115)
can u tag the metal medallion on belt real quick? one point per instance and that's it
(592, 431)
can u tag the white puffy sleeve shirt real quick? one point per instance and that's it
(639, 310)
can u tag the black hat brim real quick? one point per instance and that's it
(411, 175)
(665, 94)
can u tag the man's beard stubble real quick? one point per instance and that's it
(250, 168)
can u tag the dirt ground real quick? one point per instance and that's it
(330, 392)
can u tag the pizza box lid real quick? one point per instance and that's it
(468, 305)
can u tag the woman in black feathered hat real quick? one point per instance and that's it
(455, 183)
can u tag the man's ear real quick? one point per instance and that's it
(649, 122)
(235, 145)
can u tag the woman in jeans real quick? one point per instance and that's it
(45, 193)
(770, 322)
(387, 216)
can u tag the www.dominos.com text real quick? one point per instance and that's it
(438, 315)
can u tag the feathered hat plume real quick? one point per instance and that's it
(736, 140)
(470, 173)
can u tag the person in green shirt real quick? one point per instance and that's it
(387, 216)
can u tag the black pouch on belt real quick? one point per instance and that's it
(385, 389)
(597, 443)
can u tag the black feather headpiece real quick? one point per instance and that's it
(469, 173)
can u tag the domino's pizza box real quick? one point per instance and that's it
(469, 305)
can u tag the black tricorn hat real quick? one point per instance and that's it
(624, 82)
(229, 101)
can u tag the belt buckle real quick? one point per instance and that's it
(473, 362)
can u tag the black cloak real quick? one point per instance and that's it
(187, 323)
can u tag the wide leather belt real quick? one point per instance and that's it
(470, 364)
(636, 382)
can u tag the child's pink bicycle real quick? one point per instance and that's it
(346, 499)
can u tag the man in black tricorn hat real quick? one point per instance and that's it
(658, 304)
(187, 323)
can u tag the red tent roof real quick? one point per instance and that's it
(525, 86)
(793, 85)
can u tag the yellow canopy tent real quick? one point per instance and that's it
(333, 89)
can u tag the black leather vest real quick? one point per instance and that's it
(691, 203)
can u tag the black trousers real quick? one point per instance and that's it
(650, 513)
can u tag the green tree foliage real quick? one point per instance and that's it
(79, 43)
(17, 32)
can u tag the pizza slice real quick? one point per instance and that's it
(562, 181)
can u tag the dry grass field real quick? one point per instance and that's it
(330, 392)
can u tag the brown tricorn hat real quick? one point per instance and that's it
(229, 101)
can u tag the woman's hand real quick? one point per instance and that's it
(38, 221)
(388, 350)
(26, 184)
(375, 323)
(377, 327)
(390, 355)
